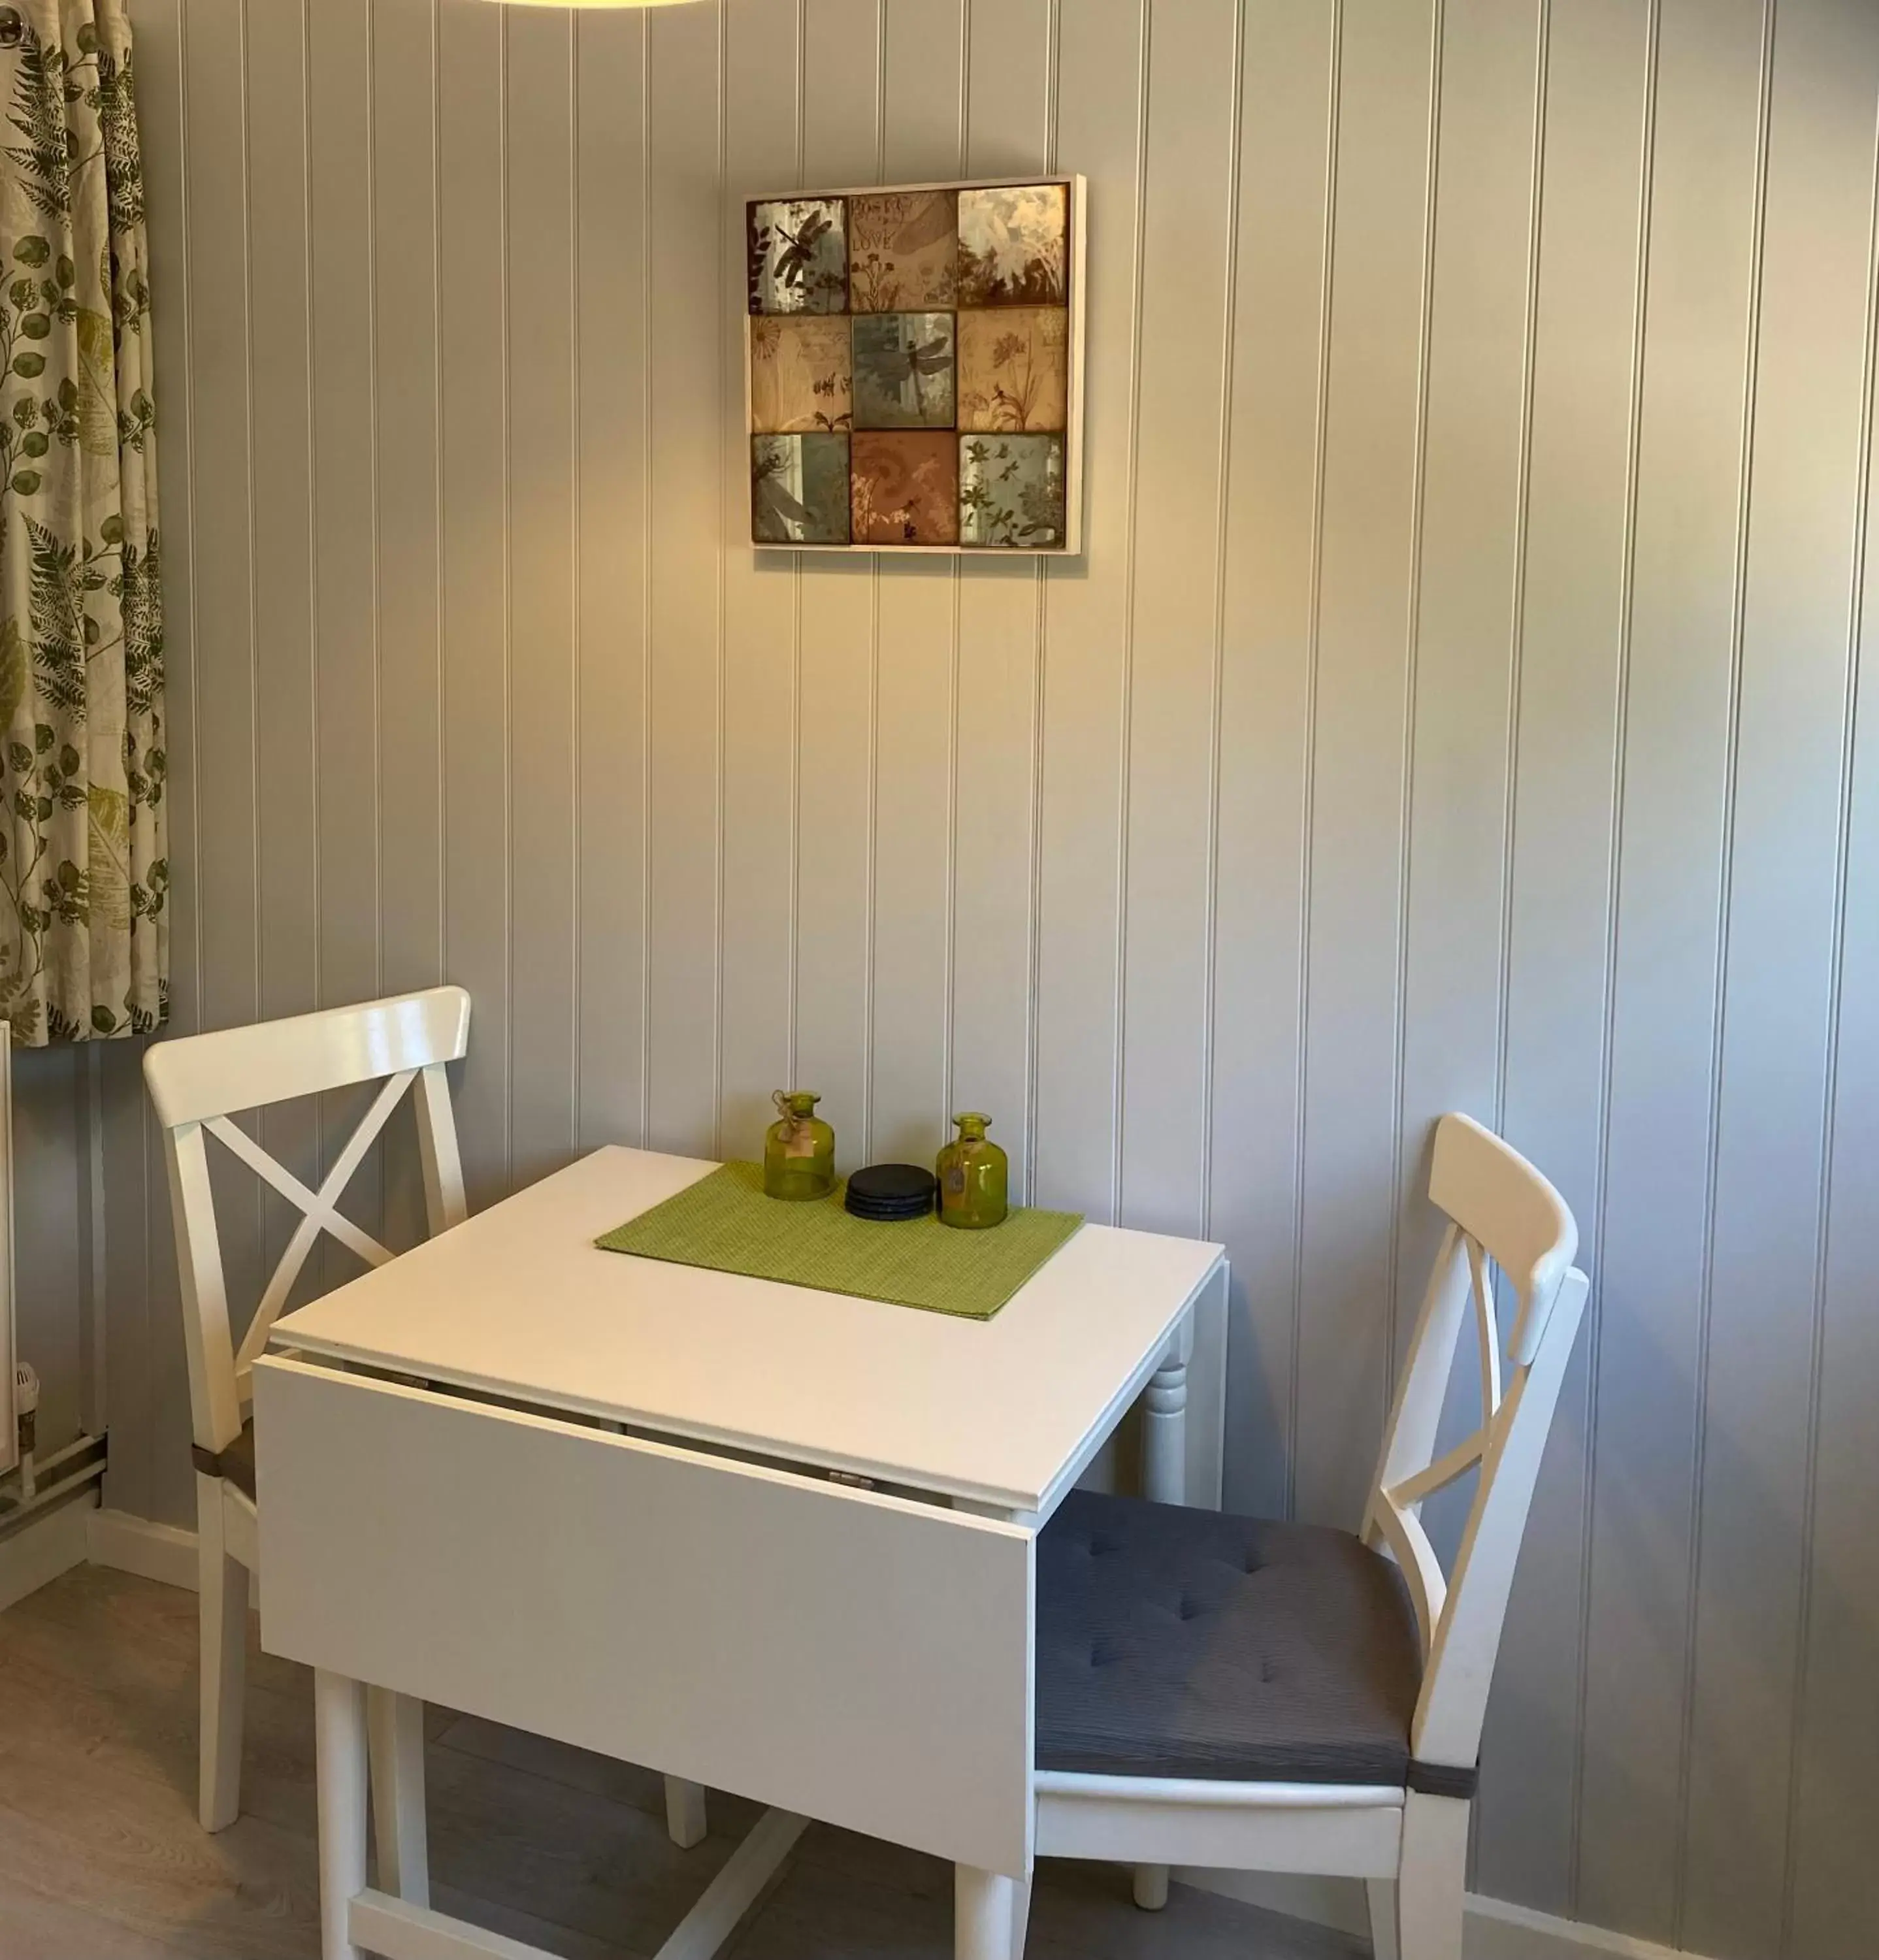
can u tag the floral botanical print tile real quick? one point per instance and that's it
(1014, 246)
(799, 373)
(1014, 369)
(907, 488)
(798, 489)
(903, 250)
(798, 257)
(1011, 491)
(903, 370)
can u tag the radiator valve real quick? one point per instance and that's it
(26, 1412)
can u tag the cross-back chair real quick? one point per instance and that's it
(1226, 1692)
(197, 1083)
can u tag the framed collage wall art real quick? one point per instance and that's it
(913, 367)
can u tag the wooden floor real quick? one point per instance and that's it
(101, 1859)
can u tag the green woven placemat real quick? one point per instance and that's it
(725, 1221)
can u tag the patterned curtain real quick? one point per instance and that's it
(84, 878)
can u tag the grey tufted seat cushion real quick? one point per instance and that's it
(1177, 1643)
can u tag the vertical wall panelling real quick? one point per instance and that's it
(1469, 589)
(683, 258)
(1102, 76)
(1268, 642)
(1832, 1888)
(215, 54)
(218, 190)
(406, 329)
(152, 1433)
(339, 170)
(762, 616)
(128, 1343)
(1571, 644)
(474, 356)
(923, 79)
(1008, 55)
(1180, 465)
(402, 247)
(51, 1265)
(340, 269)
(285, 734)
(612, 513)
(1373, 437)
(1681, 706)
(539, 224)
(1810, 356)
(1453, 705)
(841, 110)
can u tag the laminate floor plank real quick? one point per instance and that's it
(31, 1925)
(101, 1857)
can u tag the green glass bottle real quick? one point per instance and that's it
(972, 1173)
(798, 1152)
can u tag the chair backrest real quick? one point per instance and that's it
(197, 1082)
(1500, 1210)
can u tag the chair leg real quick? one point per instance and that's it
(685, 1812)
(1382, 1895)
(1431, 1882)
(1151, 1887)
(394, 1728)
(1020, 1915)
(984, 1914)
(222, 1617)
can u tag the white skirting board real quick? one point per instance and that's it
(127, 1544)
(1494, 1929)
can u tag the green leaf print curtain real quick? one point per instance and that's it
(84, 878)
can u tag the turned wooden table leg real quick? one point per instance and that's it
(340, 1775)
(1165, 1425)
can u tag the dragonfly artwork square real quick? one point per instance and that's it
(903, 370)
(798, 256)
(914, 377)
(798, 489)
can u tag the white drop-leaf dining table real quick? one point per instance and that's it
(758, 1537)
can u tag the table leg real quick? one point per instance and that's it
(1165, 1424)
(984, 1914)
(685, 1823)
(1164, 1481)
(340, 1774)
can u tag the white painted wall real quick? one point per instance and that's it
(1456, 708)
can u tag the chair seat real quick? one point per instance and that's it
(1178, 1642)
(235, 1463)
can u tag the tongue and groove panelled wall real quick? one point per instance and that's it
(1455, 708)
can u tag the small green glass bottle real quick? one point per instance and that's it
(799, 1153)
(972, 1171)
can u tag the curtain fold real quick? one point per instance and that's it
(84, 873)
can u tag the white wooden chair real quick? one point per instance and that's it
(196, 1083)
(1221, 1692)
